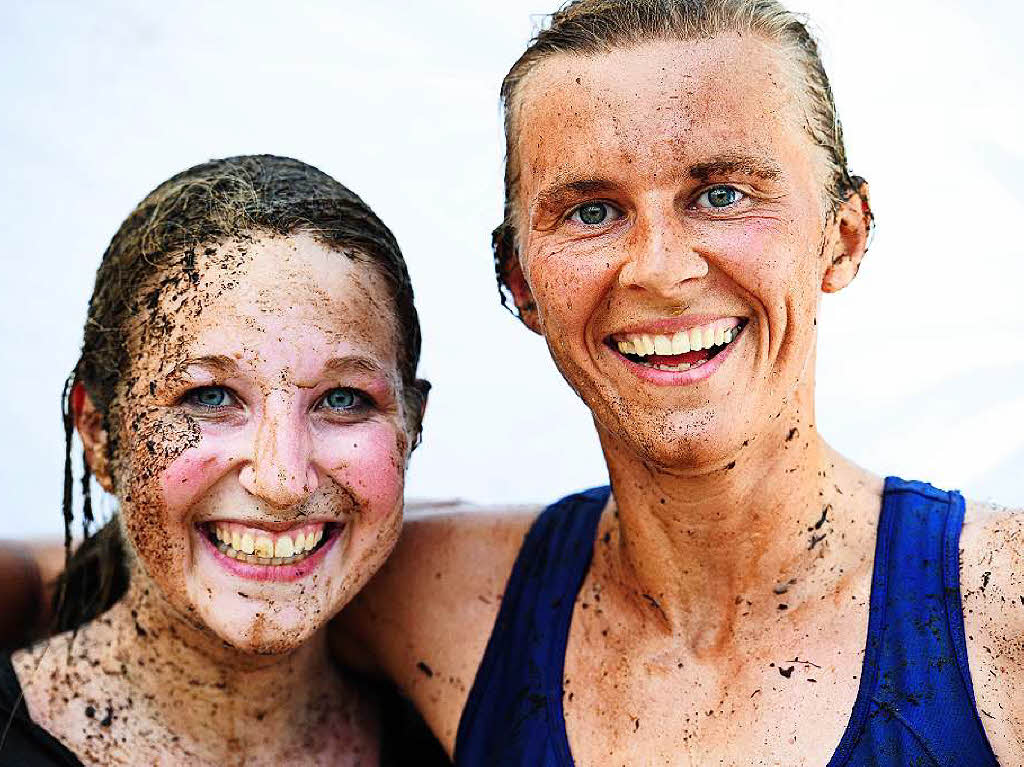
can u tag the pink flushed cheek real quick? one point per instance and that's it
(371, 462)
(192, 473)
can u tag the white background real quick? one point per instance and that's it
(921, 362)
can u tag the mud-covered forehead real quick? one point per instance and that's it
(275, 301)
(659, 104)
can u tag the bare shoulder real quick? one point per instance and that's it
(992, 558)
(425, 618)
(50, 674)
(992, 588)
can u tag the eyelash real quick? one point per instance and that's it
(191, 397)
(741, 196)
(571, 216)
(362, 400)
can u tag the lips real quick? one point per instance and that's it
(325, 537)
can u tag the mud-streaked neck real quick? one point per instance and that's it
(695, 546)
(211, 693)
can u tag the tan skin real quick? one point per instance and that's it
(677, 635)
(198, 664)
(714, 485)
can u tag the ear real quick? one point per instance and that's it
(95, 440)
(418, 404)
(522, 295)
(846, 248)
(510, 275)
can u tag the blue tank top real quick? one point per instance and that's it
(915, 705)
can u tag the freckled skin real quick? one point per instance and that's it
(724, 616)
(196, 664)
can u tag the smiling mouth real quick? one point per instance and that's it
(256, 546)
(684, 350)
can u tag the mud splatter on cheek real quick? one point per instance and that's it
(154, 440)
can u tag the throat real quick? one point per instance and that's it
(198, 688)
(705, 555)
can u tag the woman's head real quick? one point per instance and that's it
(247, 390)
(677, 168)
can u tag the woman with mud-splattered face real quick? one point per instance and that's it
(247, 392)
(677, 202)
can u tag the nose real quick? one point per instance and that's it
(662, 259)
(280, 470)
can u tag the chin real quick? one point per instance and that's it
(690, 440)
(269, 632)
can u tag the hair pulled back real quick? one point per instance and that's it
(593, 27)
(156, 248)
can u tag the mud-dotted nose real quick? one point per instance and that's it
(662, 258)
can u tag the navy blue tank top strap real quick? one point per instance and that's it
(513, 715)
(915, 704)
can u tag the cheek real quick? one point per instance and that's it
(197, 469)
(369, 459)
(568, 283)
(151, 445)
(773, 260)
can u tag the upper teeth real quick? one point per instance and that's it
(267, 545)
(717, 333)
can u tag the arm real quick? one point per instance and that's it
(425, 618)
(992, 589)
(28, 572)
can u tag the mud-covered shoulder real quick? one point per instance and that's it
(56, 678)
(992, 590)
(425, 618)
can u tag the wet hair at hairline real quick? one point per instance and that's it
(156, 248)
(593, 27)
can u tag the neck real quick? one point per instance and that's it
(214, 697)
(751, 536)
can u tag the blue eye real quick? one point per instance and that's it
(593, 213)
(341, 399)
(719, 197)
(211, 397)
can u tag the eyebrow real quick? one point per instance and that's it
(727, 164)
(354, 363)
(558, 195)
(220, 364)
(340, 366)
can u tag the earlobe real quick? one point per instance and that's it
(91, 430)
(849, 243)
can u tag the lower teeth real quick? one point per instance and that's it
(252, 559)
(674, 368)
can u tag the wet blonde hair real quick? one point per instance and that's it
(593, 27)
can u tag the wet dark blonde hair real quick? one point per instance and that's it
(154, 251)
(593, 27)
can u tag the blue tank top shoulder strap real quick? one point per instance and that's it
(513, 715)
(915, 704)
